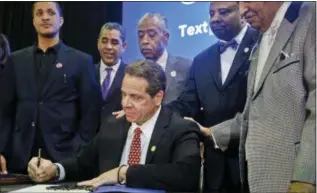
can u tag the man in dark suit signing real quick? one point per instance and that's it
(217, 83)
(150, 147)
(58, 105)
(110, 70)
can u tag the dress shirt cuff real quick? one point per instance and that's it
(214, 139)
(62, 172)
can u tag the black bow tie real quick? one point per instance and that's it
(224, 45)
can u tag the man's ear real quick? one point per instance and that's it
(159, 98)
(124, 46)
(62, 22)
(166, 36)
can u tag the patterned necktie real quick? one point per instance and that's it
(224, 45)
(135, 148)
(106, 83)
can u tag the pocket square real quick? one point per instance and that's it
(283, 55)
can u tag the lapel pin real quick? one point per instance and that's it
(59, 65)
(173, 73)
(246, 50)
(153, 148)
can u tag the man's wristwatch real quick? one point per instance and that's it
(121, 181)
(57, 173)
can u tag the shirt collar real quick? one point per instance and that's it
(54, 48)
(148, 126)
(163, 59)
(279, 16)
(115, 67)
(240, 35)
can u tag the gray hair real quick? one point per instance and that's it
(113, 26)
(160, 19)
(151, 72)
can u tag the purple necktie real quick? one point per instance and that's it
(106, 83)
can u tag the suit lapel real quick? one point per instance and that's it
(33, 73)
(98, 73)
(170, 66)
(241, 55)
(283, 34)
(115, 141)
(158, 132)
(117, 149)
(214, 59)
(55, 71)
(254, 56)
(117, 80)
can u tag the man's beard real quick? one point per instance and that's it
(49, 35)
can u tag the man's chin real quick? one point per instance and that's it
(129, 118)
(148, 56)
(48, 34)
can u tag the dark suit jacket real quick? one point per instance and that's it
(67, 109)
(219, 101)
(174, 166)
(7, 104)
(177, 70)
(113, 100)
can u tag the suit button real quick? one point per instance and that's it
(33, 124)
(222, 94)
(41, 102)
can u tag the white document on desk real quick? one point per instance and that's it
(42, 188)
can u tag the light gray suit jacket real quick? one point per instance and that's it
(277, 128)
(177, 69)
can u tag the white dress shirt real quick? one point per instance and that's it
(163, 60)
(227, 57)
(147, 130)
(268, 39)
(103, 72)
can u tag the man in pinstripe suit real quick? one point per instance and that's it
(277, 128)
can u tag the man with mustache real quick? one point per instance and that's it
(217, 83)
(58, 98)
(110, 71)
(277, 128)
(153, 38)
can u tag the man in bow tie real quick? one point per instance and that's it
(217, 84)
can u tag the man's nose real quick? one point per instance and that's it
(45, 16)
(216, 18)
(108, 45)
(126, 102)
(145, 39)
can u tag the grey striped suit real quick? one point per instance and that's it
(277, 128)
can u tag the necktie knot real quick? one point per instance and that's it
(137, 131)
(108, 69)
(224, 45)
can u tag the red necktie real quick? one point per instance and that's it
(135, 148)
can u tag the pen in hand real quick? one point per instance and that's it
(39, 158)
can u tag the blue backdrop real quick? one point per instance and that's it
(188, 23)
